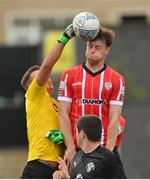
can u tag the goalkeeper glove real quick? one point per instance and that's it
(68, 34)
(56, 136)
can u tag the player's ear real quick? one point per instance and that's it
(82, 134)
(107, 50)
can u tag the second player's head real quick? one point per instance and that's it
(89, 126)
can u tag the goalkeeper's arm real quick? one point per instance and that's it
(44, 73)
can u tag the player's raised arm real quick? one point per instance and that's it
(48, 63)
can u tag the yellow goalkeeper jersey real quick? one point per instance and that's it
(41, 116)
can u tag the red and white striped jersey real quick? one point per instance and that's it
(91, 93)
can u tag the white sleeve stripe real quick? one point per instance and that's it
(120, 130)
(100, 93)
(119, 94)
(120, 103)
(66, 84)
(83, 91)
(64, 99)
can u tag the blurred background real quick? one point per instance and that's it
(30, 28)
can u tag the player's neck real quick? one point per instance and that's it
(89, 146)
(94, 67)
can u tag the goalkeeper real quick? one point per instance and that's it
(44, 138)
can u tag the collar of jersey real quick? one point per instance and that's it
(90, 72)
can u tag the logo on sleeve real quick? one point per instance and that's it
(61, 89)
(74, 164)
(122, 90)
(122, 93)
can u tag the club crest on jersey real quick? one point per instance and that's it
(108, 85)
(90, 167)
(61, 88)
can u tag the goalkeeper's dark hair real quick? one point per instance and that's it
(26, 79)
(106, 35)
(92, 127)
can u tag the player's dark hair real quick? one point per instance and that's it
(106, 35)
(92, 127)
(26, 77)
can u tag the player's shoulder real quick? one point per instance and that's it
(33, 85)
(114, 72)
(106, 152)
(78, 154)
(102, 154)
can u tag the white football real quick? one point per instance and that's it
(86, 26)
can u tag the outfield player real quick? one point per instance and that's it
(93, 161)
(42, 115)
(92, 88)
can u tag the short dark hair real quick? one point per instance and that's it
(92, 127)
(26, 77)
(106, 35)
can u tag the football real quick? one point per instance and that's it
(86, 26)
